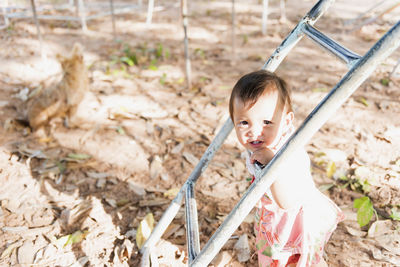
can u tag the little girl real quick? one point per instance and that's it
(294, 220)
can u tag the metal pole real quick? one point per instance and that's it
(173, 208)
(186, 44)
(349, 57)
(233, 32)
(35, 19)
(297, 33)
(113, 18)
(150, 9)
(328, 106)
(192, 226)
(264, 17)
(4, 10)
(283, 10)
(82, 15)
(351, 21)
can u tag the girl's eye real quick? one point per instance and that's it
(266, 122)
(243, 123)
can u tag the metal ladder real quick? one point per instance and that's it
(360, 69)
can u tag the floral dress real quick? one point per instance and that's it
(296, 235)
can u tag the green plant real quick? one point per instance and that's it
(356, 184)
(163, 79)
(395, 215)
(385, 81)
(365, 210)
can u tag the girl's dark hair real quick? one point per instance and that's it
(252, 85)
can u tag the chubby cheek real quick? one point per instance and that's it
(270, 136)
(241, 137)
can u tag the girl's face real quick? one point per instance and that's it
(261, 125)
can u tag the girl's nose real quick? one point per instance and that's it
(255, 131)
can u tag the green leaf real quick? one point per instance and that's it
(385, 81)
(330, 169)
(325, 187)
(120, 130)
(163, 79)
(128, 61)
(365, 186)
(159, 51)
(76, 237)
(363, 101)
(395, 214)
(61, 166)
(167, 54)
(62, 241)
(365, 210)
(79, 156)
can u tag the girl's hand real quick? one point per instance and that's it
(262, 155)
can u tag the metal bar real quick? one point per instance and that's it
(71, 18)
(82, 15)
(328, 106)
(145, 257)
(233, 32)
(173, 208)
(370, 20)
(150, 9)
(4, 12)
(113, 18)
(351, 21)
(295, 36)
(186, 44)
(264, 17)
(349, 57)
(165, 220)
(35, 19)
(192, 226)
(283, 10)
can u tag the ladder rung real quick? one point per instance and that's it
(338, 50)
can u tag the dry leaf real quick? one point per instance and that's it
(389, 242)
(178, 148)
(144, 230)
(78, 156)
(379, 228)
(242, 248)
(354, 232)
(26, 252)
(155, 167)
(153, 202)
(190, 158)
(171, 229)
(173, 192)
(330, 169)
(9, 250)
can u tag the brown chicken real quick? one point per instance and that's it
(62, 99)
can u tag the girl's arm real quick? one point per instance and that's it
(294, 186)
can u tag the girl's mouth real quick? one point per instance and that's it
(256, 144)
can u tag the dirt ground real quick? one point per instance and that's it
(75, 195)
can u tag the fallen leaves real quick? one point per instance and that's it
(144, 230)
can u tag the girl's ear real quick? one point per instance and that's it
(289, 119)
